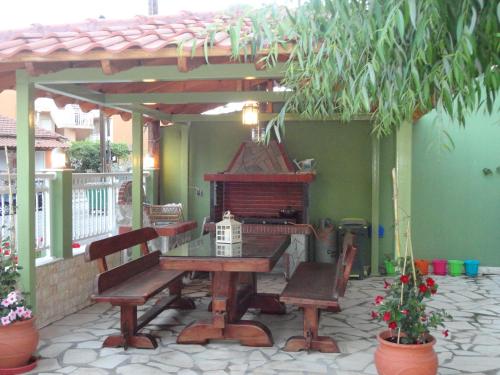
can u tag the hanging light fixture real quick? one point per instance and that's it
(250, 114)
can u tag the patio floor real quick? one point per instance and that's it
(73, 344)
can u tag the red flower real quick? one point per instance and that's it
(405, 279)
(387, 316)
(422, 288)
(374, 314)
(404, 312)
(75, 246)
(7, 252)
(393, 325)
(430, 282)
(378, 300)
(16, 259)
(6, 244)
(446, 333)
(386, 285)
(0, 250)
(433, 291)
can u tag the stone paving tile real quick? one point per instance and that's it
(73, 344)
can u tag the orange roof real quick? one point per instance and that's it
(147, 33)
(44, 139)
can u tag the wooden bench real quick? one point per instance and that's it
(316, 286)
(132, 284)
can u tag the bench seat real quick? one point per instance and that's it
(139, 288)
(312, 284)
(315, 287)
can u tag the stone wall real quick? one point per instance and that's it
(64, 286)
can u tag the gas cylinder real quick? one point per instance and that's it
(326, 242)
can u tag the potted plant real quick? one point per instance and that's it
(407, 346)
(18, 334)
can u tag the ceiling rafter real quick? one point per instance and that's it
(161, 73)
(221, 97)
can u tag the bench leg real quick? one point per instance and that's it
(182, 303)
(311, 340)
(129, 336)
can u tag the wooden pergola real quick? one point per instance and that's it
(150, 69)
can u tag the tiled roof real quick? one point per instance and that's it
(114, 36)
(44, 139)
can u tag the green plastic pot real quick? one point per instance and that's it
(390, 268)
(455, 267)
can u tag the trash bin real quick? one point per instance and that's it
(98, 200)
(359, 228)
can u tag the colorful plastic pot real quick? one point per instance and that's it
(422, 266)
(471, 267)
(455, 267)
(439, 266)
(390, 268)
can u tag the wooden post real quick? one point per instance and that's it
(25, 199)
(375, 204)
(137, 189)
(403, 174)
(61, 214)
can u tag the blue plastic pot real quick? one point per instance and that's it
(471, 267)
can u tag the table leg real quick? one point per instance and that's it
(268, 303)
(226, 312)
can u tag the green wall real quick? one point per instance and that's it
(343, 162)
(170, 146)
(456, 209)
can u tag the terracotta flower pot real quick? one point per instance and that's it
(18, 342)
(402, 359)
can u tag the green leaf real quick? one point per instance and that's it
(412, 6)
(401, 23)
(473, 20)
(460, 26)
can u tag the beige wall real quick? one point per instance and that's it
(8, 103)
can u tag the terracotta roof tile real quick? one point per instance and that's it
(44, 139)
(116, 36)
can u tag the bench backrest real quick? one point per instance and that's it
(117, 275)
(99, 250)
(344, 265)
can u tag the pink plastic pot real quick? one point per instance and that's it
(439, 266)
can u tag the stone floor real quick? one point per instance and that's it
(73, 344)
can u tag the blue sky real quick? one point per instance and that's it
(22, 13)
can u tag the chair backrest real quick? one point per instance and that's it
(344, 265)
(99, 250)
(164, 213)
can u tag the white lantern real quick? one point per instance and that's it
(228, 249)
(228, 230)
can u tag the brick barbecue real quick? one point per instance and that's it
(259, 182)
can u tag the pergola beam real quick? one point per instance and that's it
(161, 73)
(236, 117)
(221, 97)
(74, 91)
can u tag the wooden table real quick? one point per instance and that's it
(234, 286)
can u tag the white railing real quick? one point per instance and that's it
(8, 215)
(95, 196)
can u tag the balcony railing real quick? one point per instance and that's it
(95, 196)
(94, 206)
(8, 214)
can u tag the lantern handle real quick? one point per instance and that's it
(227, 215)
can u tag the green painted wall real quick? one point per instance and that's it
(170, 146)
(342, 153)
(456, 209)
